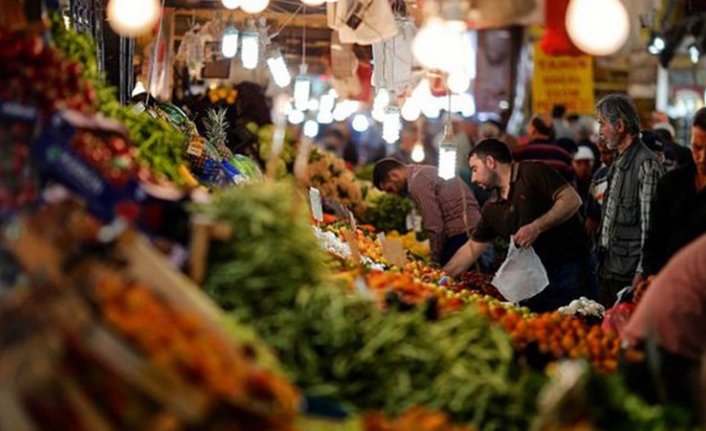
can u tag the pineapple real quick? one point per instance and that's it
(216, 126)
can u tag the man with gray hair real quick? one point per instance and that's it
(632, 181)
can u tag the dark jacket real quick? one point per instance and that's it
(678, 217)
(622, 256)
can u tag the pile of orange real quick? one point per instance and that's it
(183, 344)
(558, 336)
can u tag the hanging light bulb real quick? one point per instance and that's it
(326, 103)
(231, 4)
(312, 105)
(345, 109)
(313, 2)
(597, 27)
(447, 154)
(139, 89)
(360, 123)
(441, 45)
(340, 113)
(324, 117)
(382, 99)
(311, 128)
(250, 49)
(132, 18)
(302, 90)
(418, 155)
(254, 6)
(694, 54)
(411, 109)
(391, 125)
(278, 68)
(458, 81)
(295, 116)
(229, 42)
(378, 114)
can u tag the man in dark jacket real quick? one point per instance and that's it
(632, 181)
(679, 204)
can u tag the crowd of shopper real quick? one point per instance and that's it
(603, 201)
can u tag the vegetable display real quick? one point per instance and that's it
(345, 347)
(158, 143)
(387, 212)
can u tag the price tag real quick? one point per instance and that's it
(353, 244)
(195, 148)
(362, 288)
(394, 252)
(317, 210)
(351, 218)
(414, 221)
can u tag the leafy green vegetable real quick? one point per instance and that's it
(271, 256)
(159, 144)
(388, 212)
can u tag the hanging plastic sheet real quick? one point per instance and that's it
(394, 60)
(362, 21)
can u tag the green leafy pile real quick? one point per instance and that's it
(159, 144)
(272, 253)
(347, 349)
(388, 212)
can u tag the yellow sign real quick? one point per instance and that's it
(566, 80)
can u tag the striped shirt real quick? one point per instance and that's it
(549, 153)
(447, 207)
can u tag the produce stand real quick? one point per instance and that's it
(288, 319)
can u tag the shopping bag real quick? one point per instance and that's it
(522, 275)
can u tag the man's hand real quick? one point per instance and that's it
(464, 257)
(526, 235)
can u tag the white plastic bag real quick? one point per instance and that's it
(522, 275)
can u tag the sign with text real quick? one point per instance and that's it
(566, 80)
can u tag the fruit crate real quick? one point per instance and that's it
(93, 157)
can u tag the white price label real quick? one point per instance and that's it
(317, 210)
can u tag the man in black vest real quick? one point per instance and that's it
(632, 181)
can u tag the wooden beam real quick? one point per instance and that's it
(309, 20)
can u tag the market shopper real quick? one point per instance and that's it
(672, 315)
(600, 177)
(448, 208)
(678, 212)
(678, 156)
(535, 206)
(632, 180)
(407, 141)
(542, 147)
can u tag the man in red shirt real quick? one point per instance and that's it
(448, 208)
